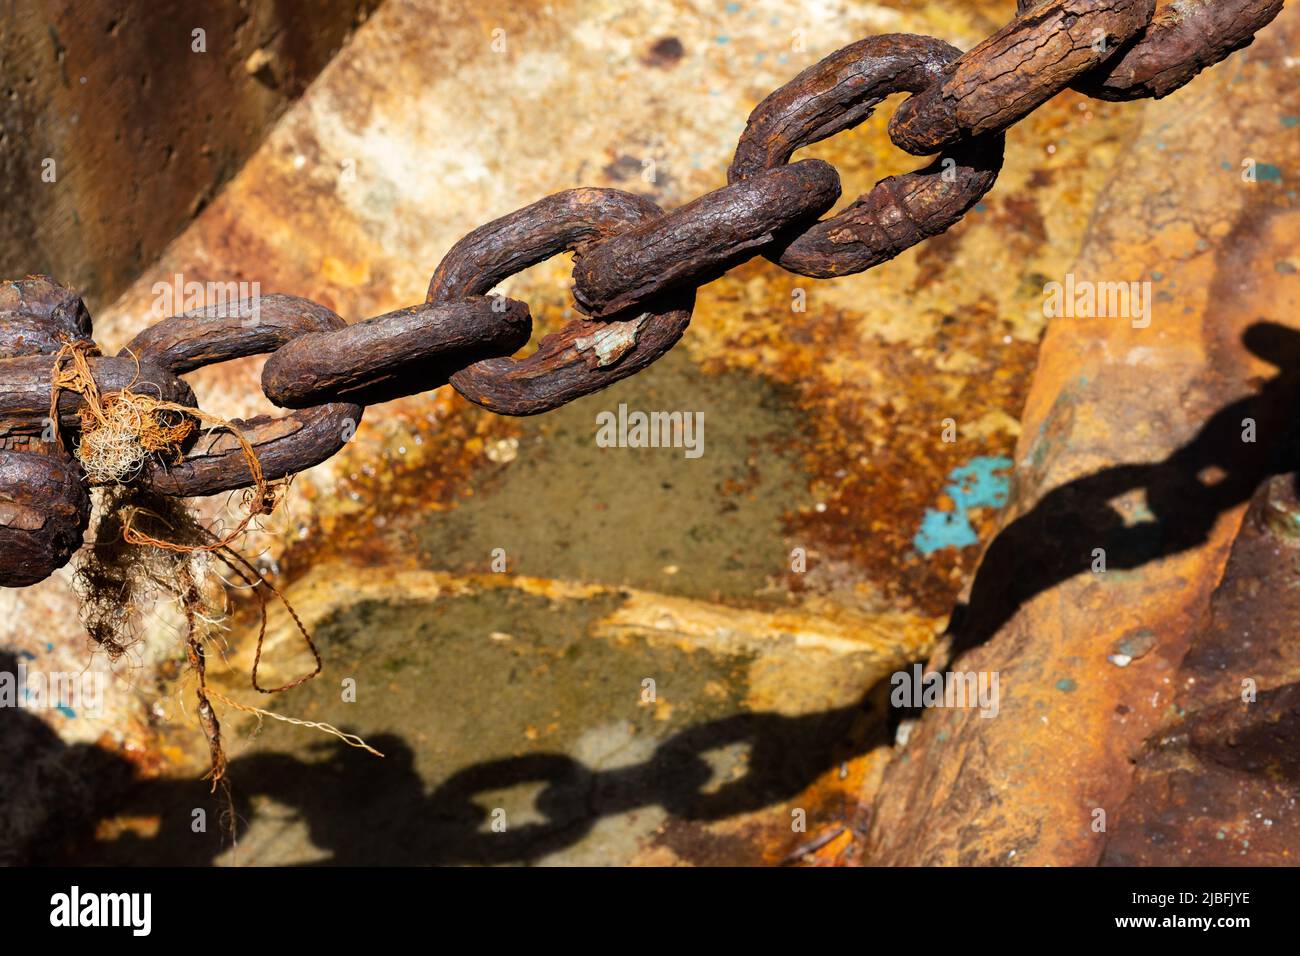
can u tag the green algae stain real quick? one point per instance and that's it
(651, 518)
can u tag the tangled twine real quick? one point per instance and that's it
(120, 432)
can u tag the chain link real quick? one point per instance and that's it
(284, 445)
(636, 268)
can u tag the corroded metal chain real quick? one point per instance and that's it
(636, 267)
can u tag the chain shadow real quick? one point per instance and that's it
(358, 810)
(1186, 493)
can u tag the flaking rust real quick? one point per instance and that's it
(575, 220)
(44, 501)
(1016, 70)
(1182, 39)
(834, 95)
(610, 342)
(282, 446)
(561, 369)
(696, 243)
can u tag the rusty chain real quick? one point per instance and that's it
(636, 267)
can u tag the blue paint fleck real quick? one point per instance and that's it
(1267, 172)
(1290, 121)
(1066, 684)
(722, 39)
(67, 711)
(980, 207)
(975, 485)
(733, 8)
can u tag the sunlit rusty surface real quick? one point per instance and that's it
(1133, 442)
(829, 421)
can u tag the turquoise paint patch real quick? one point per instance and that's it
(1291, 122)
(1066, 684)
(67, 711)
(1267, 172)
(974, 485)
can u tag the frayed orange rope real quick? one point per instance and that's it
(128, 416)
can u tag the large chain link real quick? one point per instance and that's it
(636, 268)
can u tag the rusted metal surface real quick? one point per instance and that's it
(1182, 39)
(35, 312)
(1218, 788)
(1136, 442)
(402, 353)
(703, 239)
(25, 385)
(44, 510)
(44, 502)
(366, 248)
(284, 445)
(957, 99)
(228, 330)
(582, 357)
(1021, 66)
(837, 94)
